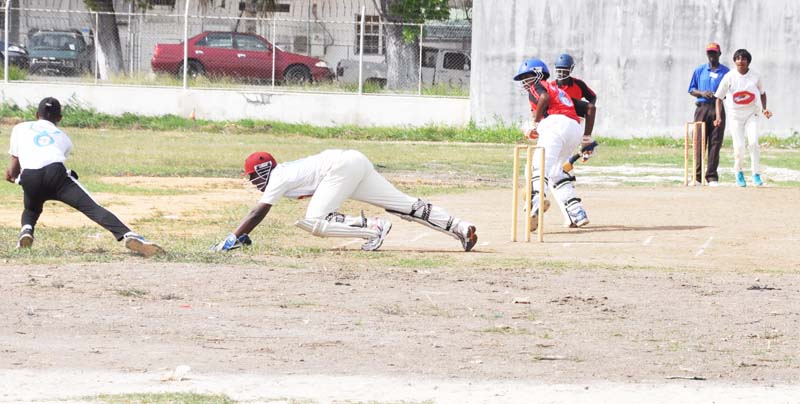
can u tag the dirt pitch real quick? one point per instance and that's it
(668, 291)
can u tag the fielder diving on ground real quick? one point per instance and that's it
(329, 178)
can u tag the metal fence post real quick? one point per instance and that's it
(5, 40)
(185, 44)
(274, 48)
(130, 39)
(419, 79)
(361, 53)
(96, 46)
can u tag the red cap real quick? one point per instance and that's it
(713, 47)
(253, 161)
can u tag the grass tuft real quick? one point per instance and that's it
(164, 398)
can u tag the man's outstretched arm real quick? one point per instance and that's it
(253, 219)
(240, 236)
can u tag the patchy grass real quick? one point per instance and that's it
(423, 169)
(163, 398)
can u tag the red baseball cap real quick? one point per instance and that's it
(713, 47)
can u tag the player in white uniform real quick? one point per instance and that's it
(38, 151)
(329, 178)
(742, 85)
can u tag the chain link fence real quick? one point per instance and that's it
(164, 47)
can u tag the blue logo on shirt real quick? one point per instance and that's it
(43, 139)
(565, 99)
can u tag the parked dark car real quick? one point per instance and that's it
(241, 55)
(17, 55)
(59, 52)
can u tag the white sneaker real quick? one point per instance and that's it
(713, 184)
(579, 218)
(466, 234)
(577, 214)
(140, 245)
(383, 227)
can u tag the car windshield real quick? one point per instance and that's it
(55, 41)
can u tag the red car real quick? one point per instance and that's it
(237, 54)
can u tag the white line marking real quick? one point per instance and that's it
(347, 243)
(648, 241)
(419, 237)
(485, 243)
(703, 247)
(567, 244)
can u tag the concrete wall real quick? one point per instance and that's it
(638, 55)
(322, 109)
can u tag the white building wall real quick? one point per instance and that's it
(637, 55)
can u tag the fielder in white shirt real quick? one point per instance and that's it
(742, 87)
(38, 151)
(329, 178)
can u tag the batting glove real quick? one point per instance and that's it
(230, 243)
(244, 239)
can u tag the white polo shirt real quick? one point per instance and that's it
(39, 143)
(299, 178)
(743, 92)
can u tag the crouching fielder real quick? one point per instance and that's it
(329, 178)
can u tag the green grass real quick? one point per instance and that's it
(77, 116)
(163, 398)
(174, 147)
(14, 73)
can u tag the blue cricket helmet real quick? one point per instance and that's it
(564, 65)
(533, 66)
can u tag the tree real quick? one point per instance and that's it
(402, 41)
(106, 38)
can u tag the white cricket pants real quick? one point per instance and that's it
(742, 130)
(560, 137)
(354, 177)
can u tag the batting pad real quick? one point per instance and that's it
(324, 228)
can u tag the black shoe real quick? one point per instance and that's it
(25, 239)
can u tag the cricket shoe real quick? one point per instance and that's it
(25, 239)
(740, 179)
(579, 218)
(757, 180)
(465, 232)
(535, 212)
(140, 245)
(382, 226)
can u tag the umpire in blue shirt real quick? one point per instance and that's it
(705, 80)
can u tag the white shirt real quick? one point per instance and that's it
(39, 143)
(744, 91)
(299, 178)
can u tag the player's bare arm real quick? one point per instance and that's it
(704, 94)
(240, 237)
(13, 169)
(541, 105)
(589, 126)
(767, 113)
(253, 219)
(718, 120)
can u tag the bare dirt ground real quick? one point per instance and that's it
(669, 295)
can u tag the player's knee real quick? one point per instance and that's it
(335, 217)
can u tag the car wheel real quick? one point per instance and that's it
(194, 70)
(297, 75)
